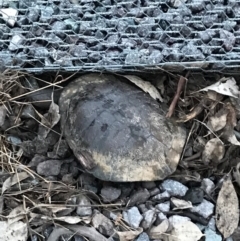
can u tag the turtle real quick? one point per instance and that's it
(118, 132)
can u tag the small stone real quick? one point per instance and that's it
(133, 217)
(177, 219)
(174, 188)
(207, 185)
(143, 237)
(149, 185)
(197, 6)
(28, 112)
(84, 206)
(212, 224)
(122, 25)
(111, 215)
(33, 14)
(155, 57)
(162, 196)
(149, 218)
(228, 39)
(142, 207)
(133, 58)
(205, 209)
(194, 195)
(211, 235)
(210, 19)
(71, 24)
(49, 168)
(164, 207)
(16, 42)
(140, 196)
(191, 51)
(9, 15)
(64, 169)
(61, 149)
(154, 191)
(58, 28)
(46, 13)
(41, 52)
(113, 39)
(161, 217)
(110, 194)
(102, 224)
(14, 140)
(26, 3)
(128, 43)
(79, 50)
(68, 178)
(36, 160)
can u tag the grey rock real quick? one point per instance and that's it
(149, 218)
(36, 160)
(23, 4)
(79, 51)
(162, 196)
(212, 224)
(205, 209)
(71, 24)
(111, 215)
(14, 140)
(142, 207)
(113, 39)
(58, 28)
(64, 169)
(84, 206)
(174, 188)
(140, 196)
(161, 217)
(197, 6)
(228, 39)
(149, 185)
(163, 207)
(41, 52)
(133, 58)
(155, 191)
(143, 237)
(49, 168)
(28, 112)
(110, 194)
(46, 14)
(211, 235)
(194, 195)
(3, 113)
(128, 43)
(133, 217)
(210, 19)
(190, 50)
(155, 57)
(122, 25)
(68, 178)
(102, 224)
(61, 149)
(207, 185)
(33, 14)
(16, 42)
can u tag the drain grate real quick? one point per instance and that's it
(119, 35)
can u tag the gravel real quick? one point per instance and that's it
(205, 209)
(174, 188)
(173, 32)
(133, 217)
(49, 168)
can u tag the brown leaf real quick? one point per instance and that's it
(227, 210)
(129, 235)
(219, 120)
(180, 204)
(145, 86)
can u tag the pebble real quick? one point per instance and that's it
(49, 168)
(9, 15)
(33, 14)
(36, 160)
(205, 209)
(46, 14)
(207, 185)
(79, 50)
(174, 188)
(228, 39)
(155, 57)
(102, 224)
(164, 207)
(16, 42)
(154, 191)
(28, 112)
(149, 218)
(133, 217)
(84, 208)
(161, 216)
(194, 195)
(140, 196)
(212, 224)
(110, 194)
(211, 235)
(41, 52)
(149, 185)
(143, 237)
(71, 24)
(14, 140)
(162, 196)
(58, 28)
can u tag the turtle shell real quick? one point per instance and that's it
(118, 132)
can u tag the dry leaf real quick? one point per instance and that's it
(16, 214)
(157, 231)
(14, 231)
(213, 152)
(17, 177)
(49, 120)
(225, 86)
(186, 231)
(180, 204)
(69, 219)
(219, 120)
(229, 135)
(129, 235)
(145, 86)
(227, 210)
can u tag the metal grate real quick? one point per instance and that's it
(95, 35)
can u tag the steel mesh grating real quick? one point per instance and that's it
(119, 35)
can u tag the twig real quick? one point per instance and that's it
(181, 83)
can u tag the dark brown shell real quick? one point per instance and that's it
(117, 131)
